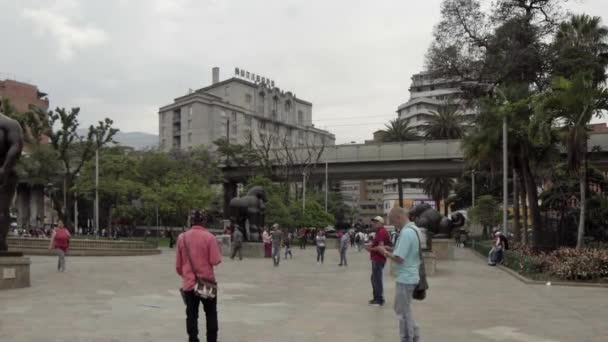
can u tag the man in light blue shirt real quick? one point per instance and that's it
(407, 267)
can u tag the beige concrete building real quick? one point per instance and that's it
(243, 112)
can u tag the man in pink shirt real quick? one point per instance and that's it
(204, 253)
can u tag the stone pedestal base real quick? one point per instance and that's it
(443, 249)
(430, 263)
(14, 272)
(248, 249)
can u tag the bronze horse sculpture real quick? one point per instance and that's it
(250, 207)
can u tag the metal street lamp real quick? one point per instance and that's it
(492, 88)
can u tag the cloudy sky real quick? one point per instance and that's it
(125, 58)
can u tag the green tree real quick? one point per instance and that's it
(438, 188)
(73, 150)
(573, 103)
(486, 213)
(399, 130)
(447, 122)
(581, 45)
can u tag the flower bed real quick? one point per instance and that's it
(566, 264)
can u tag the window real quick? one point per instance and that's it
(300, 117)
(287, 106)
(163, 131)
(190, 124)
(262, 125)
(162, 117)
(190, 112)
(248, 98)
(248, 121)
(189, 138)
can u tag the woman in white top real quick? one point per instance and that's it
(320, 241)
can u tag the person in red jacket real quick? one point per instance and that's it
(381, 239)
(60, 241)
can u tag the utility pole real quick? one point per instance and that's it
(326, 185)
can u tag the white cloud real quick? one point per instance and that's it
(69, 36)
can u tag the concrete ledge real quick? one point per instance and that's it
(14, 272)
(444, 249)
(91, 252)
(85, 247)
(529, 281)
(248, 250)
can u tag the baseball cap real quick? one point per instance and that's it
(378, 219)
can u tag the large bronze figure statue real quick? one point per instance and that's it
(250, 207)
(11, 145)
(440, 226)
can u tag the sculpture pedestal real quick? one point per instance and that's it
(248, 249)
(14, 271)
(443, 249)
(430, 263)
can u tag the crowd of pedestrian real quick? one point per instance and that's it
(198, 253)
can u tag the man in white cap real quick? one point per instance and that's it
(381, 238)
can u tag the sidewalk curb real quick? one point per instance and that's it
(529, 281)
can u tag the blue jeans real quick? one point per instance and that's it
(320, 253)
(408, 328)
(376, 279)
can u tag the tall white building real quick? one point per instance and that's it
(241, 110)
(427, 94)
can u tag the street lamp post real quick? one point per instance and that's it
(96, 211)
(473, 188)
(505, 175)
(303, 191)
(76, 208)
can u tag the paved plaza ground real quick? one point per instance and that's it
(136, 299)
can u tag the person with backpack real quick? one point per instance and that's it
(60, 241)
(406, 257)
(196, 256)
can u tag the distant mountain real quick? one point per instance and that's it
(136, 140)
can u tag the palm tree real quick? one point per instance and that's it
(399, 130)
(438, 188)
(572, 104)
(447, 122)
(581, 45)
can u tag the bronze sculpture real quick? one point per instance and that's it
(11, 145)
(440, 226)
(250, 207)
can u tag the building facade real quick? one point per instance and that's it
(33, 208)
(427, 94)
(241, 111)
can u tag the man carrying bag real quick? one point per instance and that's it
(409, 273)
(197, 254)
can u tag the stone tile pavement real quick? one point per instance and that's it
(136, 299)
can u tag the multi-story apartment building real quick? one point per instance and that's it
(427, 94)
(242, 111)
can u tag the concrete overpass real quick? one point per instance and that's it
(377, 161)
(438, 158)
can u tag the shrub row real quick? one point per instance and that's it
(587, 264)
